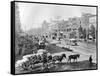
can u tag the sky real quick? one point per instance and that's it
(32, 14)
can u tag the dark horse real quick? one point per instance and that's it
(58, 58)
(74, 57)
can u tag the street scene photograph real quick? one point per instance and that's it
(55, 38)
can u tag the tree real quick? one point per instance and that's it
(84, 33)
(26, 45)
(92, 31)
(80, 30)
(73, 34)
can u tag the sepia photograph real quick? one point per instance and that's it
(52, 37)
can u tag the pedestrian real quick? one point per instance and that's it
(90, 59)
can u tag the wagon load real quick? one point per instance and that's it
(30, 57)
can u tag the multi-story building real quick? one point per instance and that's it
(67, 27)
(92, 21)
(87, 20)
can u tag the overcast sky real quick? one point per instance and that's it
(32, 15)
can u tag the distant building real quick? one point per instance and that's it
(45, 24)
(61, 28)
(86, 19)
(67, 27)
(92, 21)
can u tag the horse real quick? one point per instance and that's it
(58, 58)
(74, 57)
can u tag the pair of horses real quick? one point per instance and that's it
(52, 59)
(46, 59)
(59, 58)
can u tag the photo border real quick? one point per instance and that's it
(13, 35)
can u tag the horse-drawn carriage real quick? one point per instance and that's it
(73, 42)
(43, 59)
